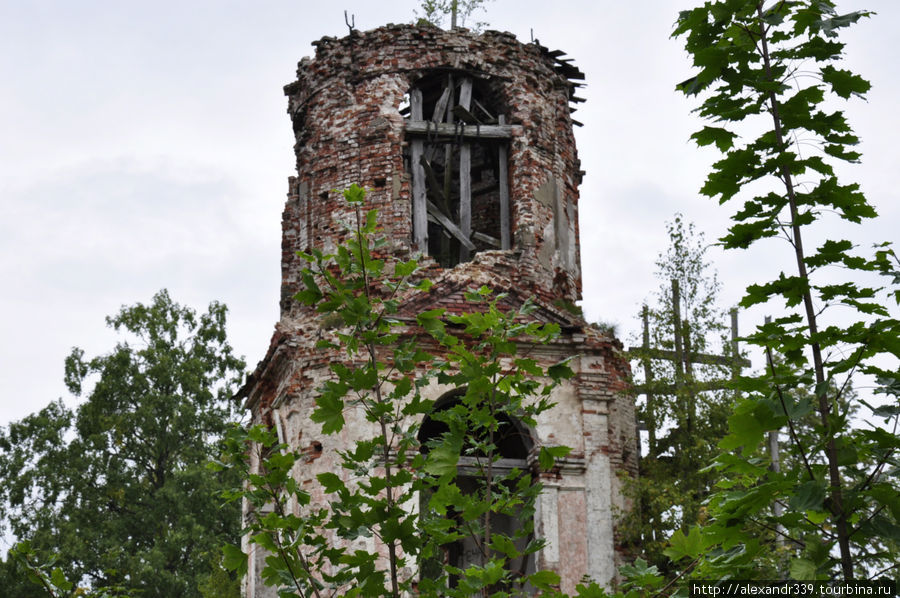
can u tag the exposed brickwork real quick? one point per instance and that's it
(345, 109)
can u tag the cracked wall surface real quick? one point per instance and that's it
(345, 107)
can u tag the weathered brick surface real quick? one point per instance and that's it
(344, 107)
(345, 111)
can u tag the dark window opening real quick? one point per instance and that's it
(457, 159)
(514, 444)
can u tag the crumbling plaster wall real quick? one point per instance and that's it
(577, 512)
(345, 109)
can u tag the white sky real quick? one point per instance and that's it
(146, 145)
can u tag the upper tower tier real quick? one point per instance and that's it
(463, 140)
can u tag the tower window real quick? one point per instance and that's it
(458, 163)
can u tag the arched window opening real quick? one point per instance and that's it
(513, 445)
(457, 159)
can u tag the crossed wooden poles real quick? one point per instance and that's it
(684, 359)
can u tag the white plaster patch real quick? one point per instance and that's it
(549, 515)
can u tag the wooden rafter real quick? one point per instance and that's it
(448, 225)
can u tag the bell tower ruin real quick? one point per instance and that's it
(464, 142)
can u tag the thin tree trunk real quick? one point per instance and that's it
(824, 407)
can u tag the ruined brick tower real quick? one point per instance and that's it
(465, 144)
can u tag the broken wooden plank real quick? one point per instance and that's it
(465, 93)
(448, 225)
(465, 197)
(444, 233)
(493, 242)
(419, 210)
(464, 115)
(451, 130)
(490, 117)
(441, 106)
(433, 186)
(503, 179)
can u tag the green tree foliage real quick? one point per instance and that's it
(117, 489)
(683, 418)
(411, 497)
(29, 574)
(769, 71)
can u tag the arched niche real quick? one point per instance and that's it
(514, 444)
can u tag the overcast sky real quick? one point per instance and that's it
(145, 145)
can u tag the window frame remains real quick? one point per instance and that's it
(462, 125)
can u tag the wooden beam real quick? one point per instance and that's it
(648, 378)
(434, 187)
(486, 239)
(419, 211)
(672, 389)
(503, 179)
(667, 355)
(676, 317)
(448, 225)
(420, 127)
(448, 163)
(481, 107)
(465, 174)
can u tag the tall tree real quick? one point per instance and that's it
(684, 419)
(768, 71)
(118, 488)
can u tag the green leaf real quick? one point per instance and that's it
(723, 138)
(443, 458)
(685, 546)
(331, 483)
(548, 455)
(355, 194)
(234, 559)
(58, 579)
(329, 412)
(544, 580)
(560, 371)
(808, 497)
(404, 269)
(802, 569)
(432, 323)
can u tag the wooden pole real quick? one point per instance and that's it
(679, 351)
(465, 175)
(648, 379)
(503, 178)
(446, 246)
(417, 147)
(691, 402)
